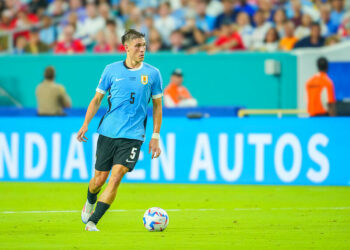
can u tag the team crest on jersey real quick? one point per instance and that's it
(144, 79)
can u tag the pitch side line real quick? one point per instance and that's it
(180, 210)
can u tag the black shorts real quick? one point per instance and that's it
(112, 151)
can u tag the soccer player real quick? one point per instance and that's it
(130, 84)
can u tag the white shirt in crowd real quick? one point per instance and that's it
(165, 25)
(259, 34)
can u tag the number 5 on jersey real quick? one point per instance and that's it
(133, 153)
(132, 97)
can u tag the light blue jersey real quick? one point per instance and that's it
(130, 91)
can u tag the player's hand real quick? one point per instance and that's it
(81, 134)
(154, 148)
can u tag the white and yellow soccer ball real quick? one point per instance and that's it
(155, 219)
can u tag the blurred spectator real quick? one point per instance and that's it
(147, 4)
(214, 8)
(266, 7)
(259, 32)
(315, 87)
(177, 41)
(229, 14)
(105, 11)
(177, 95)
(36, 6)
(155, 41)
(148, 25)
(245, 29)
(36, 46)
(48, 32)
(25, 19)
(3, 43)
(112, 28)
(245, 7)
(102, 46)
(69, 45)
(332, 40)
(134, 19)
(20, 44)
(57, 8)
(337, 15)
(115, 44)
(297, 12)
(165, 23)
(314, 40)
(304, 29)
(279, 18)
(124, 9)
(326, 25)
(7, 20)
(72, 20)
(204, 22)
(345, 31)
(288, 41)
(179, 11)
(76, 6)
(192, 34)
(228, 39)
(271, 41)
(92, 24)
(51, 97)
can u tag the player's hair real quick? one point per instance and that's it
(131, 35)
(49, 73)
(322, 64)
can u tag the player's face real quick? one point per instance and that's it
(136, 49)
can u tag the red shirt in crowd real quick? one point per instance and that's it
(225, 39)
(102, 48)
(120, 48)
(75, 46)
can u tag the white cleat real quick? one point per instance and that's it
(90, 226)
(87, 211)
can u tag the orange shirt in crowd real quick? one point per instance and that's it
(314, 88)
(287, 43)
(177, 93)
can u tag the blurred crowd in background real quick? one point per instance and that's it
(80, 26)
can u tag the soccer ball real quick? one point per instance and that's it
(155, 219)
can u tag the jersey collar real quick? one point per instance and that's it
(132, 69)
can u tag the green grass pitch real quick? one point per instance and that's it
(201, 217)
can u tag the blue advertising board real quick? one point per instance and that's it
(222, 150)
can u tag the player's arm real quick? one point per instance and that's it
(157, 122)
(331, 99)
(90, 113)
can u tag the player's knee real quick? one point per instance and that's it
(117, 175)
(115, 179)
(99, 181)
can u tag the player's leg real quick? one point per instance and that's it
(104, 162)
(94, 188)
(124, 161)
(107, 197)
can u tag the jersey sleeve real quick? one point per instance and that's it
(157, 91)
(105, 82)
